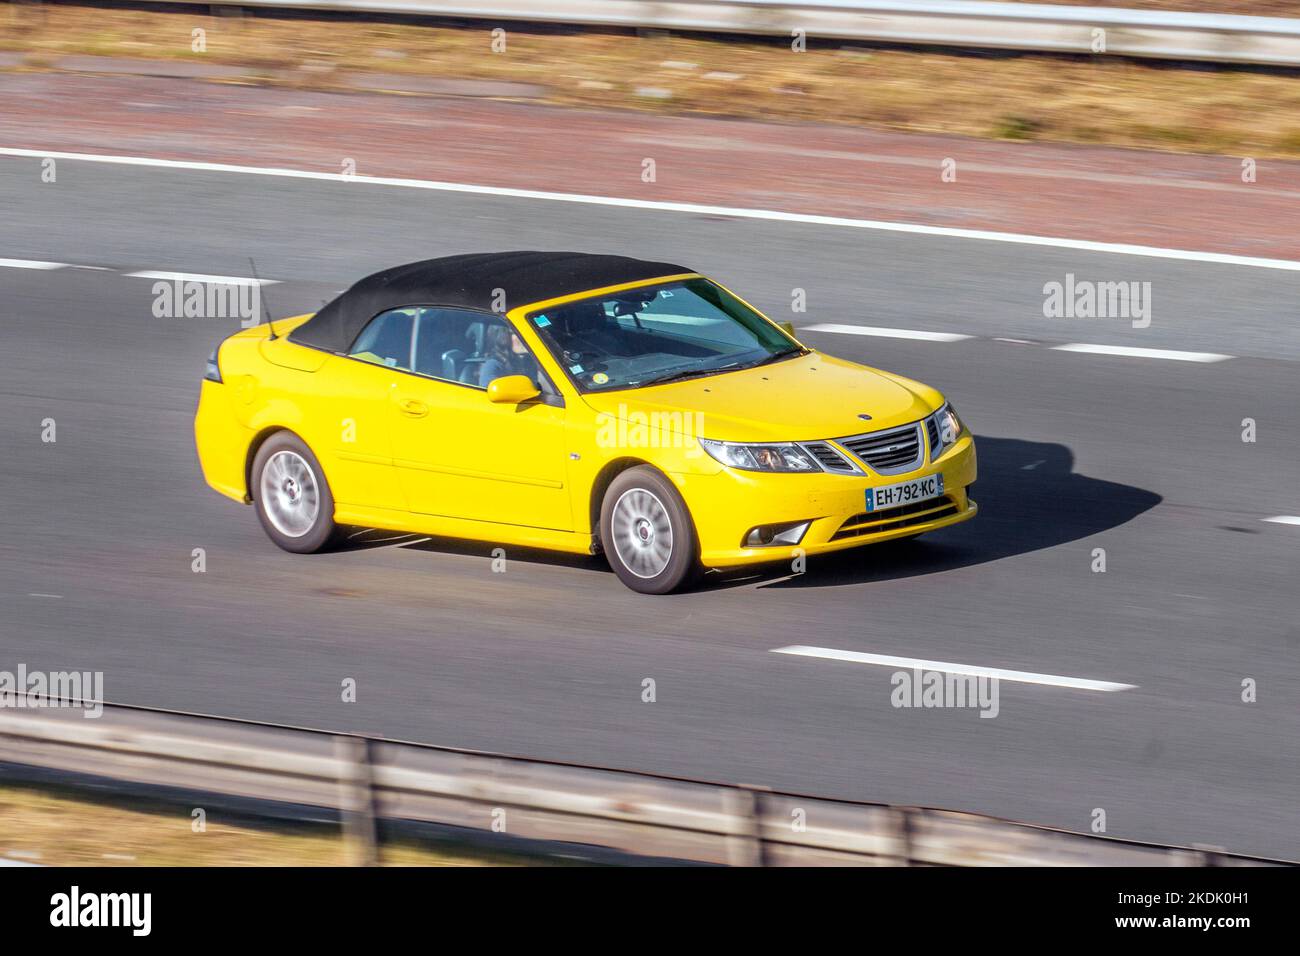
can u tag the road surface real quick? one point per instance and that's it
(1141, 456)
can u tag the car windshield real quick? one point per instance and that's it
(658, 333)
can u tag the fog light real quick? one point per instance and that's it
(768, 535)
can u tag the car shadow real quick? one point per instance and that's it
(1030, 498)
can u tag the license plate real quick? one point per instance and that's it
(905, 492)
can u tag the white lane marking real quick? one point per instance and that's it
(910, 663)
(1284, 519)
(196, 277)
(1141, 353)
(40, 595)
(1125, 249)
(885, 333)
(31, 264)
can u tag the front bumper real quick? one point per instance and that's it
(727, 504)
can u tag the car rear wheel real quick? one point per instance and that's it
(647, 532)
(292, 498)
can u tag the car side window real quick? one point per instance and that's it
(386, 340)
(471, 348)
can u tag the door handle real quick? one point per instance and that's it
(412, 408)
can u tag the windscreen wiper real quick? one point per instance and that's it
(689, 373)
(777, 356)
(694, 372)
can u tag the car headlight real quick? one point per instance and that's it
(948, 428)
(771, 456)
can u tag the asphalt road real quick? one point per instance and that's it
(1141, 457)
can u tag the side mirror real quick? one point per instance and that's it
(511, 390)
(788, 328)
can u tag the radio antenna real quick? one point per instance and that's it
(265, 311)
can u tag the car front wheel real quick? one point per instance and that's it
(292, 498)
(647, 532)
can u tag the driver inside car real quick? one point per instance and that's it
(504, 354)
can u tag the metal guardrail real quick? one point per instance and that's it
(369, 779)
(1224, 38)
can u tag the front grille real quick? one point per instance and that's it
(889, 452)
(932, 429)
(891, 519)
(828, 457)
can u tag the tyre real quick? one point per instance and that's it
(292, 498)
(647, 532)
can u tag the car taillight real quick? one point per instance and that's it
(212, 372)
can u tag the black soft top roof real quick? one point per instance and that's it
(469, 282)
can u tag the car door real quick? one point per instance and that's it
(459, 455)
(352, 426)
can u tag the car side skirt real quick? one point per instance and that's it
(570, 542)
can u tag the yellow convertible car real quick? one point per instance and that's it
(582, 403)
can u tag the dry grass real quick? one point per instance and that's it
(1106, 101)
(1250, 8)
(61, 828)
